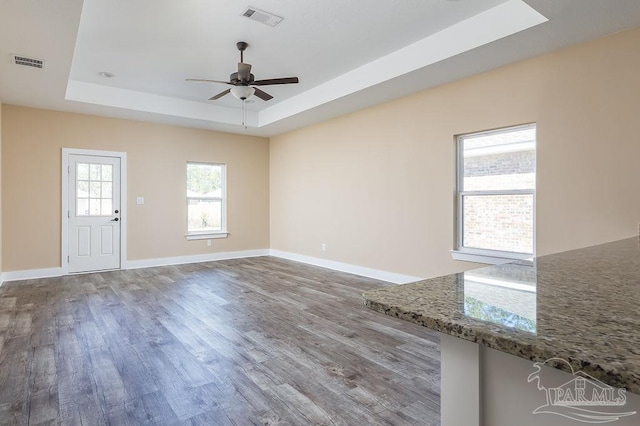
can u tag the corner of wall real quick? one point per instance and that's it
(1, 280)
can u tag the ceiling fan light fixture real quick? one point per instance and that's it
(242, 92)
(243, 81)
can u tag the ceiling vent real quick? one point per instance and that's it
(27, 62)
(261, 16)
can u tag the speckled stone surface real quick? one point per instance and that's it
(581, 305)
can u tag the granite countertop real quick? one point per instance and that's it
(581, 305)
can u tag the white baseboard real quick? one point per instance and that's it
(30, 274)
(378, 274)
(136, 264)
(181, 260)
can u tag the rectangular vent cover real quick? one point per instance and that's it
(27, 62)
(261, 16)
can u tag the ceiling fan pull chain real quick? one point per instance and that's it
(244, 114)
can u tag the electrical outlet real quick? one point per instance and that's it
(208, 243)
(324, 247)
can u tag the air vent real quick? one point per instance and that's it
(27, 62)
(262, 16)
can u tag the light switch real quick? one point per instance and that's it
(139, 200)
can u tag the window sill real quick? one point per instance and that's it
(488, 257)
(206, 236)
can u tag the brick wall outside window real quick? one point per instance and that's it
(499, 222)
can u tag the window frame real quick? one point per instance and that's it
(205, 235)
(479, 255)
(88, 196)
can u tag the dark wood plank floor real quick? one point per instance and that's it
(248, 341)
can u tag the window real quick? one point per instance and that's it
(496, 195)
(206, 201)
(94, 189)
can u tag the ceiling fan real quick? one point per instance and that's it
(242, 81)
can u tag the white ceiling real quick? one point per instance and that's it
(348, 55)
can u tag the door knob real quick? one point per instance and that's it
(115, 219)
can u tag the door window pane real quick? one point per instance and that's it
(94, 171)
(107, 172)
(82, 207)
(94, 189)
(94, 206)
(83, 171)
(106, 190)
(83, 189)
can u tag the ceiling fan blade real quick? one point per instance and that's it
(286, 80)
(244, 71)
(202, 80)
(219, 95)
(262, 94)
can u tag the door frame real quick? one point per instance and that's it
(66, 152)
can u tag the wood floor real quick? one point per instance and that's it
(249, 341)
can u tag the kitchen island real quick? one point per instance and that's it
(508, 330)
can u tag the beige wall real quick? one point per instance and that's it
(32, 140)
(1, 193)
(377, 186)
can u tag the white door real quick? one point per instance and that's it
(94, 213)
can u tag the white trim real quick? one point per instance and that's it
(378, 274)
(66, 152)
(495, 257)
(503, 20)
(31, 274)
(136, 264)
(198, 258)
(487, 258)
(100, 94)
(206, 236)
(390, 277)
(193, 235)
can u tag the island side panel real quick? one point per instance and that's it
(460, 382)
(508, 397)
